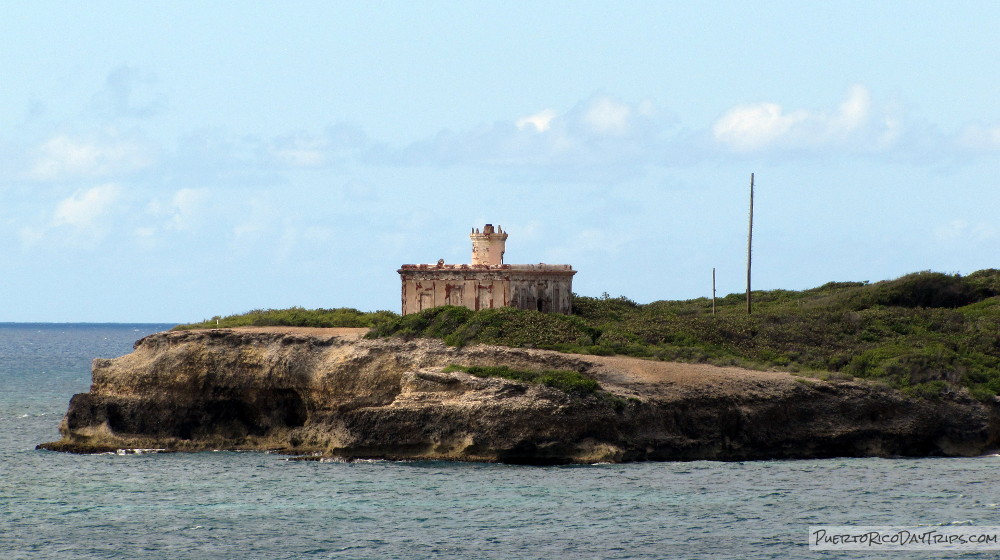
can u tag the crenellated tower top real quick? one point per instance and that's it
(488, 247)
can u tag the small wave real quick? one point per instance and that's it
(20, 416)
(341, 460)
(138, 451)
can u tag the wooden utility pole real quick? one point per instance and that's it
(713, 291)
(750, 246)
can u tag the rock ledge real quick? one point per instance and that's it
(331, 394)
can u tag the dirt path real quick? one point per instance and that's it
(645, 378)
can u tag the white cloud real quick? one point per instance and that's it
(301, 157)
(755, 126)
(63, 156)
(980, 138)
(766, 125)
(961, 230)
(608, 116)
(83, 208)
(184, 208)
(601, 138)
(129, 92)
(258, 217)
(892, 130)
(187, 201)
(181, 213)
(854, 111)
(540, 121)
(300, 151)
(31, 236)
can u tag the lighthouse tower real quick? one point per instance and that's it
(488, 247)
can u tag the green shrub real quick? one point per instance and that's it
(927, 390)
(603, 309)
(567, 381)
(928, 289)
(505, 326)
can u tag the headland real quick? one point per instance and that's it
(330, 393)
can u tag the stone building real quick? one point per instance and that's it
(487, 282)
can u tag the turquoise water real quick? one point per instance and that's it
(252, 505)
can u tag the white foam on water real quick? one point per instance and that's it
(138, 451)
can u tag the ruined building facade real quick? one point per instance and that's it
(487, 282)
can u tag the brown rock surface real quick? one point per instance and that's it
(331, 393)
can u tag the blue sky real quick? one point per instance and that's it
(175, 161)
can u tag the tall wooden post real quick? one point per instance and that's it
(750, 247)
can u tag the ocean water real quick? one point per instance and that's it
(226, 505)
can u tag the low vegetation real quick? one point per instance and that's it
(460, 326)
(296, 317)
(927, 333)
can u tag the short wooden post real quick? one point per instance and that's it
(713, 291)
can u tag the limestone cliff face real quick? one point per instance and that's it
(326, 394)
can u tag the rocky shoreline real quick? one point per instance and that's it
(324, 393)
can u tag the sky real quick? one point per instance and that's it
(173, 161)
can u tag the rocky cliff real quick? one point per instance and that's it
(318, 392)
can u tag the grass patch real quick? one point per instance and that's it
(567, 381)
